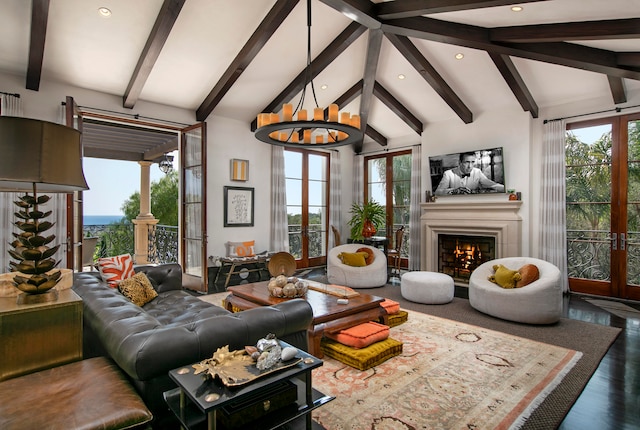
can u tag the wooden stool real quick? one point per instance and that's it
(87, 394)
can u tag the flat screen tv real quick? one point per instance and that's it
(469, 172)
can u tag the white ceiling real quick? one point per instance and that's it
(86, 50)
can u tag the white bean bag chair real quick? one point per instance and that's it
(540, 302)
(373, 275)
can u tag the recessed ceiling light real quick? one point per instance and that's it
(516, 8)
(459, 56)
(104, 11)
(324, 86)
(401, 76)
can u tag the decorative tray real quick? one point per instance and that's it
(235, 368)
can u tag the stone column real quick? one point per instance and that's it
(145, 219)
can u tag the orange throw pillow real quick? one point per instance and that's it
(370, 255)
(390, 306)
(362, 335)
(529, 273)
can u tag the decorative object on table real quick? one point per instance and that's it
(38, 156)
(287, 287)
(282, 263)
(239, 170)
(366, 219)
(512, 194)
(316, 133)
(239, 367)
(238, 206)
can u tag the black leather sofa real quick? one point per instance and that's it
(174, 329)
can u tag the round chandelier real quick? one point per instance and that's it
(327, 129)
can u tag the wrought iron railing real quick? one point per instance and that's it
(589, 255)
(116, 239)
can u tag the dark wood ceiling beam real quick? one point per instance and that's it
(563, 54)
(628, 59)
(586, 30)
(159, 34)
(618, 91)
(409, 8)
(375, 135)
(398, 108)
(512, 77)
(39, 19)
(361, 11)
(374, 45)
(429, 73)
(350, 95)
(331, 52)
(256, 42)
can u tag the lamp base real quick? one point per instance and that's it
(30, 299)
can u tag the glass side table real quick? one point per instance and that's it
(199, 399)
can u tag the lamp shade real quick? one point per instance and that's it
(38, 152)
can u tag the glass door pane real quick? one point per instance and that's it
(317, 207)
(293, 180)
(588, 189)
(633, 205)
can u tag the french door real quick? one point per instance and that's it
(193, 206)
(307, 184)
(603, 206)
(388, 182)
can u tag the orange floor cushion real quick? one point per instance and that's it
(362, 335)
(390, 306)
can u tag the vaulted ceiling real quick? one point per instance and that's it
(236, 59)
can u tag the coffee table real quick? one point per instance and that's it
(328, 315)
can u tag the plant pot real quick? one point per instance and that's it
(368, 229)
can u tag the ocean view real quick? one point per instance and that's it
(101, 219)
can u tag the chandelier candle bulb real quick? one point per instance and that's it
(355, 121)
(307, 136)
(283, 137)
(319, 139)
(302, 115)
(287, 112)
(274, 118)
(294, 138)
(345, 118)
(318, 114)
(333, 112)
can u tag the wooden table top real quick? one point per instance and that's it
(325, 306)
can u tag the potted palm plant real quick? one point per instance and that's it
(366, 219)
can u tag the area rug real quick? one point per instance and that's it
(450, 375)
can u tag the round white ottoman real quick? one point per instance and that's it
(430, 288)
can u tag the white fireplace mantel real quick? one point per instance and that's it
(497, 219)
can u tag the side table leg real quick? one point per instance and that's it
(212, 420)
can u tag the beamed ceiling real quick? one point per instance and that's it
(237, 58)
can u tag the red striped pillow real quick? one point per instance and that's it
(116, 269)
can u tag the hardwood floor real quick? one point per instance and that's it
(611, 399)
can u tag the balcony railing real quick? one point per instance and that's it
(116, 239)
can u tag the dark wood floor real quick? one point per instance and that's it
(611, 399)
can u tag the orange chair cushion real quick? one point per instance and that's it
(362, 335)
(370, 255)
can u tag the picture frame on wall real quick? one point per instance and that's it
(468, 172)
(239, 170)
(238, 206)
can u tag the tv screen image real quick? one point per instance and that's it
(468, 172)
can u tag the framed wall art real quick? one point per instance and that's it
(239, 170)
(470, 172)
(238, 207)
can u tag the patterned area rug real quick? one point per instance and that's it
(450, 375)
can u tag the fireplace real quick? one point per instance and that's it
(493, 228)
(459, 254)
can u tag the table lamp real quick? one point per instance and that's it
(37, 156)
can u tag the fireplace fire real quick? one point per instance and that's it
(459, 255)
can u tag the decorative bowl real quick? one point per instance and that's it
(288, 287)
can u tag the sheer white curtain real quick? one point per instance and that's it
(10, 106)
(553, 232)
(335, 199)
(279, 222)
(414, 208)
(358, 181)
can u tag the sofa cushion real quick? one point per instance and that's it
(115, 269)
(138, 289)
(241, 249)
(370, 255)
(361, 335)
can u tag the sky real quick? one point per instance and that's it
(111, 182)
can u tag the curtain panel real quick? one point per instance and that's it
(553, 228)
(335, 196)
(414, 208)
(279, 222)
